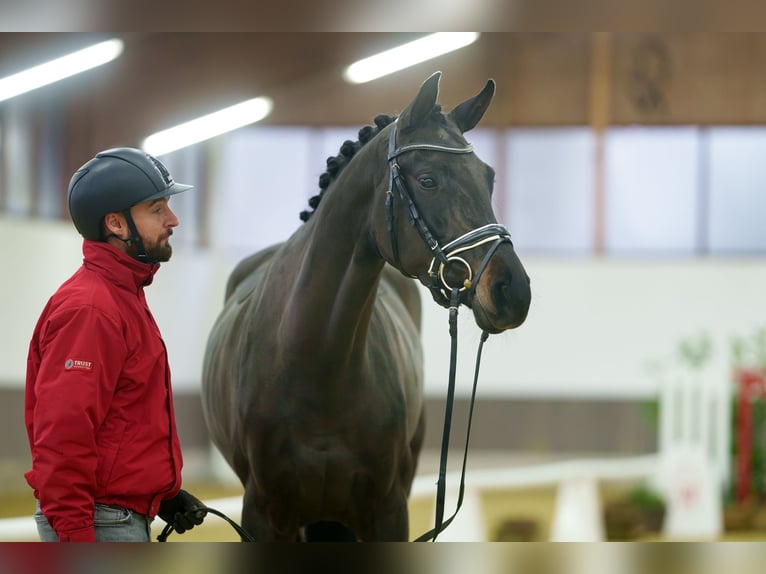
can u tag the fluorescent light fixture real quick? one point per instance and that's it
(208, 126)
(407, 55)
(59, 68)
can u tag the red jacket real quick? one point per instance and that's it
(99, 405)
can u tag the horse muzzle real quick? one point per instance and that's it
(496, 287)
(501, 299)
(500, 294)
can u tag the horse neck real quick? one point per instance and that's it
(335, 286)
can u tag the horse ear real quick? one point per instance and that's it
(468, 114)
(423, 103)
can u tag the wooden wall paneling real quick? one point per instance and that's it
(703, 78)
(550, 79)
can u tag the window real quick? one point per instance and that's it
(186, 166)
(549, 189)
(737, 190)
(259, 185)
(652, 199)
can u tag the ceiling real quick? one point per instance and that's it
(162, 79)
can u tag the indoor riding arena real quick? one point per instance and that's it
(519, 282)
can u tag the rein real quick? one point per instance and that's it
(441, 486)
(446, 295)
(168, 529)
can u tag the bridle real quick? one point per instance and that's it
(447, 295)
(443, 255)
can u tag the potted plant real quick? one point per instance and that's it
(651, 507)
(622, 520)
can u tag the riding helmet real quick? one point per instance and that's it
(116, 180)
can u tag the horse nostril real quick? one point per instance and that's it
(501, 292)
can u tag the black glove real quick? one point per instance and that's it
(184, 511)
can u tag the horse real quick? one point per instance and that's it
(312, 382)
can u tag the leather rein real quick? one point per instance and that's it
(446, 295)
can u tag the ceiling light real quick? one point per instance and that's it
(59, 68)
(407, 55)
(208, 126)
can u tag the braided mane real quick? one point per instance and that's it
(337, 163)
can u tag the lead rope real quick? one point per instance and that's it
(439, 523)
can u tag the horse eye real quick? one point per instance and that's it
(427, 182)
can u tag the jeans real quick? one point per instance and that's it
(112, 524)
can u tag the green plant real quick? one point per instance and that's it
(749, 351)
(696, 351)
(646, 497)
(635, 513)
(651, 505)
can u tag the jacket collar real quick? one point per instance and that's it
(117, 266)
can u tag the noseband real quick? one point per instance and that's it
(494, 233)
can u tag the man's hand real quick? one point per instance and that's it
(184, 511)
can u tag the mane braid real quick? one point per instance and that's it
(335, 164)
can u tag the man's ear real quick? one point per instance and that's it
(115, 224)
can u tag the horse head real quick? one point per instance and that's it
(437, 223)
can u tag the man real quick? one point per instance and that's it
(99, 407)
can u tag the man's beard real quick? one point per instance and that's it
(155, 253)
(159, 252)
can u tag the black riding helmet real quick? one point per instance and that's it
(114, 181)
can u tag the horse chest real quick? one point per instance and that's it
(323, 465)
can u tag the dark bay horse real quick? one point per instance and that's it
(313, 373)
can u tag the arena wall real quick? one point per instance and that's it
(571, 379)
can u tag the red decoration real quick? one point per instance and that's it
(752, 386)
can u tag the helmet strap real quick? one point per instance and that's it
(135, 238)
